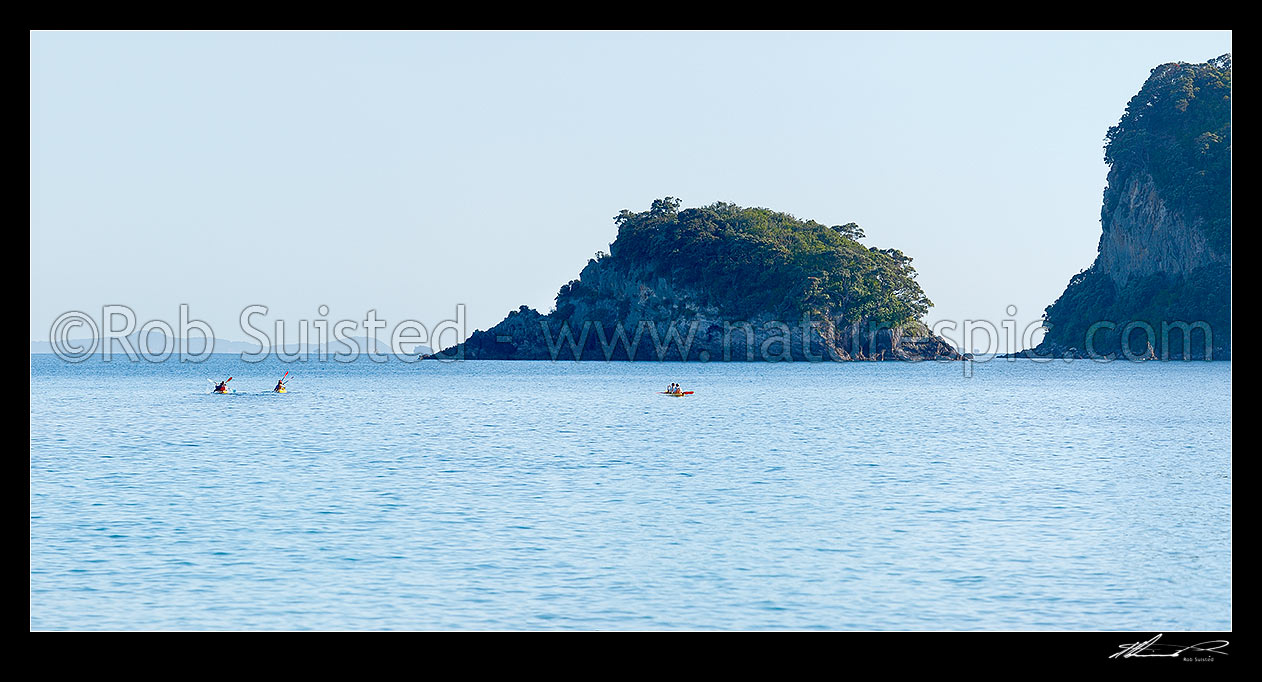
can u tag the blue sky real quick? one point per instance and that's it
(409, 172)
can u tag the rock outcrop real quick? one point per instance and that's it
(1160, 286)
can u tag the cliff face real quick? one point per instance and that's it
(723, 283)
(1144, 236)
(1164, 261)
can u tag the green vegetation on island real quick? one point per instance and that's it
(748, 261)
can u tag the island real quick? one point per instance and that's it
(725, 283)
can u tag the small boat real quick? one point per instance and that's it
(680, 394)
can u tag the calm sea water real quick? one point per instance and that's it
(531, 495)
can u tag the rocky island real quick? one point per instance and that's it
(725, 283)
(1160, 286)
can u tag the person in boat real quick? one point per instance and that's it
(222, 387)
(280, 385)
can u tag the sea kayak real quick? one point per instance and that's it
(676, 395)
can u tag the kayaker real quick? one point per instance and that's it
(222, 387)
(280, 385)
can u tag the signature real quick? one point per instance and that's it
(1138, 649)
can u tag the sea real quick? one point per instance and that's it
(1005, 495)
